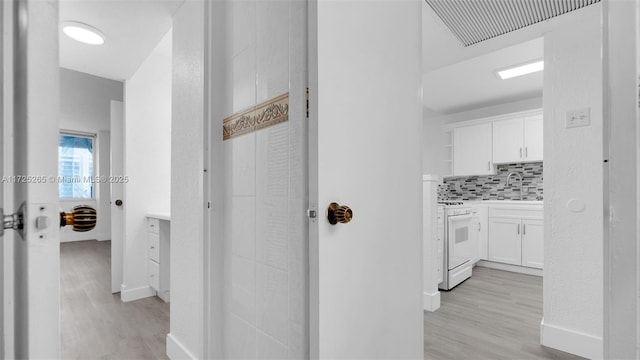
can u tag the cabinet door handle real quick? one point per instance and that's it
(524, 229)
(488, 165)
(526, 152)
(518, 229)
(520, 153)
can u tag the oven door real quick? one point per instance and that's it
(459, 240)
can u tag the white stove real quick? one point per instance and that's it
(458, 250)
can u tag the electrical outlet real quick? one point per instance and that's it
(577, 118)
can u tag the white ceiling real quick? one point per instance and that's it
(474, 82)
(132, 29)
(458, 78)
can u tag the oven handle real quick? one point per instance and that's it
(460, 217)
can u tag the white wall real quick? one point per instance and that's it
(147, 161)
(573, 274)
(433, 150)
(505, 108)
(186, 336)
(260, 53)
(85, 107)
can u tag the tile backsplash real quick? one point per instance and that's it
(494, 187)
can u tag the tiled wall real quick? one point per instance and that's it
(265, 302)
(494, 187)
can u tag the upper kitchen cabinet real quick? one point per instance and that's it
(472, 150)
(517, 139)
(533, 138)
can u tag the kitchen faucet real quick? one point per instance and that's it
(519, 176)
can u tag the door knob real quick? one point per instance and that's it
(118, 202)
(339, 214)
(82, 218)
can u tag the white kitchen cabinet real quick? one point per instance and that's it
(508, 141)
(472, 150)
(518, 139)
(533, 138)
(474, 236)
(505, 245)
(533, 243)
(483, 231)
(440, 244)
(516, 235)
(479, 233)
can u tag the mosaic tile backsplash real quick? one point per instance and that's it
(494, 187)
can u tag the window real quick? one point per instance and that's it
(75, 167)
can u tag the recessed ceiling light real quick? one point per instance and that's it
(83, 33)
(521, 70)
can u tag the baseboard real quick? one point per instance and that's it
(509, 267)
(431, 302)
(177, 350)
(571, 341)
(76, 239)
(137, 293)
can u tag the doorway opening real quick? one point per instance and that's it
(473, 119)
(116, 94)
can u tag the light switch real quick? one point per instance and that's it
(577, 118)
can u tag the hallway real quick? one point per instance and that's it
(95, 324)
(493, 315)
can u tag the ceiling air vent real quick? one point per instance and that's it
(473, 21)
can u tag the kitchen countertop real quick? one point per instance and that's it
(161, 216)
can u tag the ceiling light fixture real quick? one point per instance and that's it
(83, 33)
(520, 70)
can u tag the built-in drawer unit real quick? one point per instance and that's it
(154, 275)
(154, 247)
(153, 226)
(158, 246)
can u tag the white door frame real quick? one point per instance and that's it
(621, 180)
(31, 28)
(7, 163)
(118, 213)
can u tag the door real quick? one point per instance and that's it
(505, 245)
(117, 194)
(460, 240)
(533, 243)
(472, 150)
(32, 86)
(507, 141)
(365, 144)
(533, 138)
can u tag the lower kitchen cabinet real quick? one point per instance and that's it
(516, 236)
(533, 243)
(505, 245)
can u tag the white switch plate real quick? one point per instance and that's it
(577, 118)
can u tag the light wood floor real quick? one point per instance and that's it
(96, 324)
(493, 315)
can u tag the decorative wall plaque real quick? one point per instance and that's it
(268, 113)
